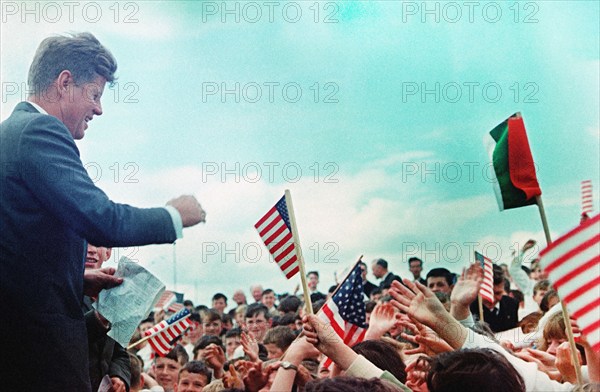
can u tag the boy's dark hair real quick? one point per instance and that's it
(205, 341)
(267, 291)
(187, 302)
(178, 354)
(312, 272)
(280, 336)
(289, 304)
(219, 296)
(256, 309)
(345, 384)
(233, 332)
(210, 315)
(498, 274)
(287, 319)
(440, 273)
(473, 370)
(410, 260)
(332, 289)
(197, 367)
(226, 318)
(135, 365)
(376, 290)
(382, 355)
(382, 263)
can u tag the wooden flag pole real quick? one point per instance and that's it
(565, 312)
(290, 207)
(480, 300)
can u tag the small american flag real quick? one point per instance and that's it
(573, 265)
(345, 311)
(275, 231)
(487, 286)
(165, 334)
(167, 299)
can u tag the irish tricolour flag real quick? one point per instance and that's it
(515, 184)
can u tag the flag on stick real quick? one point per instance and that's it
(275, 231)
(515, 182)
(345, 310)
(573, 265)
(586, 197)
(163, 336)
(487, 286)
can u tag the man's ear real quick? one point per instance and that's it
(63, 81)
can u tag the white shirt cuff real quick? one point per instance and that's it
(177, 222)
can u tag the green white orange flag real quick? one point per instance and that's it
(515, 181)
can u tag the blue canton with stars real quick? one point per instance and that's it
(281, 207)
(349, 299)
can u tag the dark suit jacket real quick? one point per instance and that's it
(388, 280)
(49, 207)
(106, 357)
(507, 317)
(368, 287)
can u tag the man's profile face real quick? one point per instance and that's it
(498, 292)
(79, 104)
(166, 371)
(377, 270)
(438, 283)
(191, 382)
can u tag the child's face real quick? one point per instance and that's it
(166, 371)
(274, 351)
(191, 382)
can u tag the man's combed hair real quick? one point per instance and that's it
(197, 367)
(81, 54)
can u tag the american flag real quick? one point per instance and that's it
(275, 231)
(586, 197)
(573, 265)
(165, 334)
(345, 311)
(167, 299)
(487, 286)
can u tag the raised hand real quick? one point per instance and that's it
(564, 362)
(466, 289)
(231, 379)
(255, 378)
(383, 319)
(250, 345)
(422, 305)
(215, 359)
(428, 342)
(417, 301)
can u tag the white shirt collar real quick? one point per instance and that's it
(37, 107)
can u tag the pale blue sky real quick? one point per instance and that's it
(375, 137)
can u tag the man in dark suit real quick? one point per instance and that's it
(49, 207)
(368, 287)
(415, 265)
(380, 270)
(502, 315)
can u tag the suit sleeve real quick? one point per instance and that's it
(120, 365)
(54, 174)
